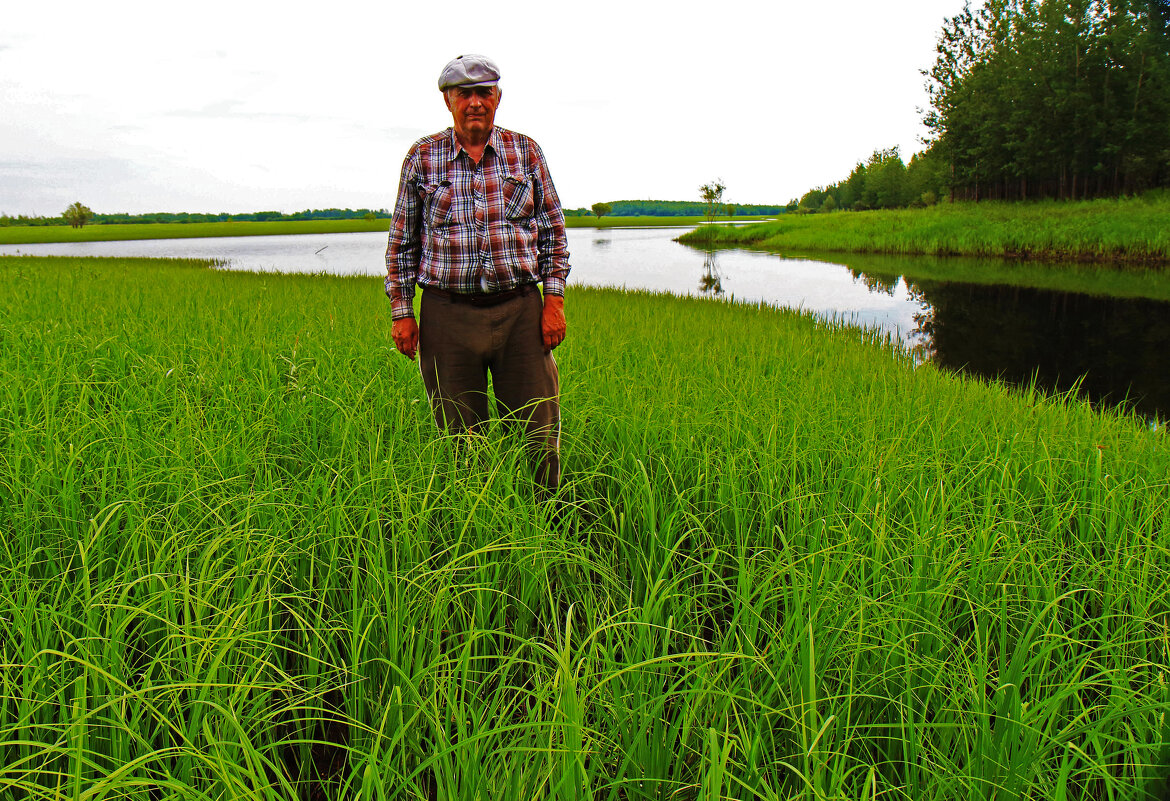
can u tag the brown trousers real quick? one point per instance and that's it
(460, 343)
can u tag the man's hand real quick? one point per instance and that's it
(405, 335)
(552, 322)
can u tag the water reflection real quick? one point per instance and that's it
(1108, 350)
(885, 284)
(711, 281)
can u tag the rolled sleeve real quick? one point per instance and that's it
(404, 248)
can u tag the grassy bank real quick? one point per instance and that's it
(236, 553)
(27, 235)
(646, 222)
(1128, 230)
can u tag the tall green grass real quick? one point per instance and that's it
(237, 561)
(1125, 230)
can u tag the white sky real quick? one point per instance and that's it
(245, 106)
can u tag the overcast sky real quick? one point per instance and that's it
(241, 106)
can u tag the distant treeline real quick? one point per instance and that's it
(186, 217)
(621, 208)
(673, 208)
(1030, 99)
(884, 181)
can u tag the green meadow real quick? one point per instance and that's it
(648, 221)
(1114, 230)
(32, 234)
(238, 561)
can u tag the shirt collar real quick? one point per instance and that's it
(493, 141)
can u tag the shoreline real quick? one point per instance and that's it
(1127, 232)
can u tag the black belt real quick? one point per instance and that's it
(486, 299)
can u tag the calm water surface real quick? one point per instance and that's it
(1112, 349)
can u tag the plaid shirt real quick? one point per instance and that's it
(475, 228)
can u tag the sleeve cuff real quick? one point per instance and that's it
(554, 285)
(401, 303)
(401, 308)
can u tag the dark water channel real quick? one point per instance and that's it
(1111, 350)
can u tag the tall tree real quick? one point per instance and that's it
(885, 180)
(712, 195)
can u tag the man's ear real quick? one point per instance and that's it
(447, 99)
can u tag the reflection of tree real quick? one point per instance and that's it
(711, 282)
(1120, 346)
(923, 348)
(885, 284)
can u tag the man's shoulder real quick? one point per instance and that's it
(512, 138)
(441, 140)
(516, 148)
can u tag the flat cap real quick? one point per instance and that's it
(469, 70)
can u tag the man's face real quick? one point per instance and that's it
(473, 108)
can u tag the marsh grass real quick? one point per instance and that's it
(237, 561)
(1131, 230)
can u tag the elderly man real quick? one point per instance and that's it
(477, 225)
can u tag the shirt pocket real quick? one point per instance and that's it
(436, 201)
(519, 198)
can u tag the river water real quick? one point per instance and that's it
(1112, 350)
